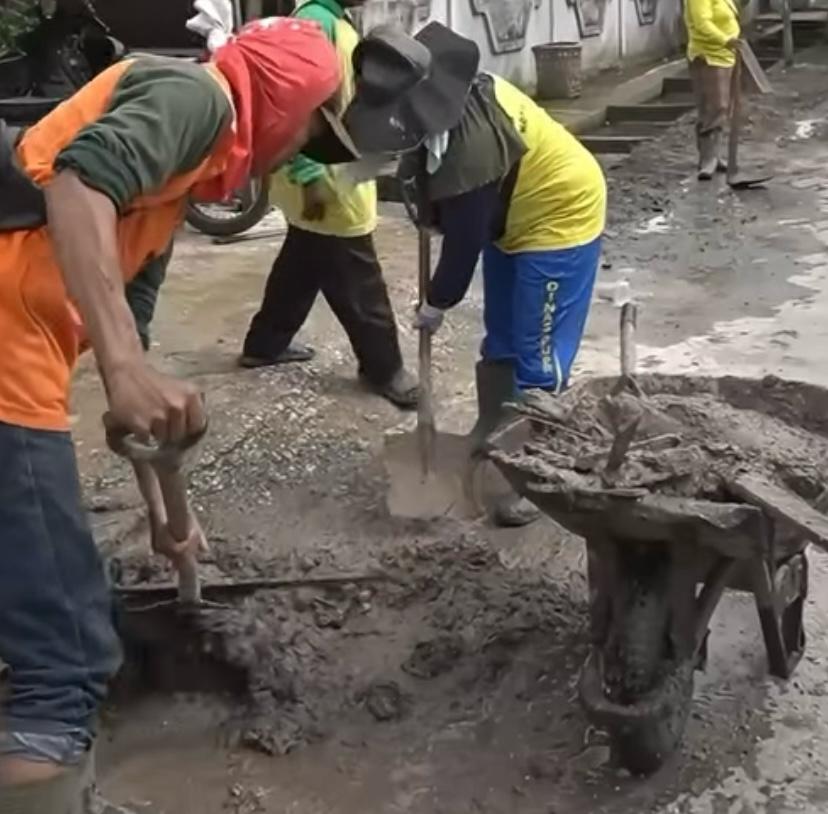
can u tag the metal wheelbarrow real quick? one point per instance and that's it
(659, 560)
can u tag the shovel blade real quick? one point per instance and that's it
(748, 180)
(446, 490)
(754, 78)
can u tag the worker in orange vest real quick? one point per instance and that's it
(87, 196)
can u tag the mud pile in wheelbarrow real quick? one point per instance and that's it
(687, 438)
(681, 487)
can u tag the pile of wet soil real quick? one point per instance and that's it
(449, 620)
(677, 442)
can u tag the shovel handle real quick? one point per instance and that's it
(189, 582)
(425, 408)
(179, 522)
(174, 492)
(629, 318)
(735, 118)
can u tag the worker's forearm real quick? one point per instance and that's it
(83, 228)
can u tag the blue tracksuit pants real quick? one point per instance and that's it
(535, 310)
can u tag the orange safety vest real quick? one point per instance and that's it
(39, 334)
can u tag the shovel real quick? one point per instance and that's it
(430, 474)
(166, 461)
(736, 178)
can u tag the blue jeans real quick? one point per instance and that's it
(535, 310)
(56, 632)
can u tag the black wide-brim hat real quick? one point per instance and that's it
(406, 89)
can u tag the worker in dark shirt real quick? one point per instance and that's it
(498, 178)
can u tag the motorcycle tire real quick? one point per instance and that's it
(254, 205)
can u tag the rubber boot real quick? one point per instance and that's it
(708, 156)
(495, 388)
(495, 384)
(721, 164)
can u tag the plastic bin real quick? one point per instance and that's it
(558, 66)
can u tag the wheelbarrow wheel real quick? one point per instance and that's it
(651, 695)
(642, 746)
(638, 645)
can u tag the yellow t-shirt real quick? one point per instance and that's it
(352, 211)
(711, 24)
(560, 197)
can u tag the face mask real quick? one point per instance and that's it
(367, 168)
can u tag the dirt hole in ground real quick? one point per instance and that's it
(450, 625)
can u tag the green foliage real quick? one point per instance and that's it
(17, 18)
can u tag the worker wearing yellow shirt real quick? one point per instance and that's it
(501, 179)
(329, 249)
(713, 33)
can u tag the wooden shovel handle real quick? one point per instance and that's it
(735, 118)
(629, 320)
(425, 406)
(180, 523)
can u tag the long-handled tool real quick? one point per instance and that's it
(428, 471)
(737, 178)
(166, 461)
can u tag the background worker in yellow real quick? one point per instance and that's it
(713, 33)
(500, 178)
(329, 247)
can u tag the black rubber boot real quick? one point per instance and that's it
(495, 384)
(495, 389)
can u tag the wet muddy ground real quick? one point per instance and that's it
(449, 685)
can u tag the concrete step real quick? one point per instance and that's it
(648, 113)
(680, 98)
(610, 161)
(802, 17)
(602, 144)
(641, 129)
(768, 53)
(677, 84)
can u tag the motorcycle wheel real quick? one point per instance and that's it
(242, 212)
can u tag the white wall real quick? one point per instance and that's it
(542, 21)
